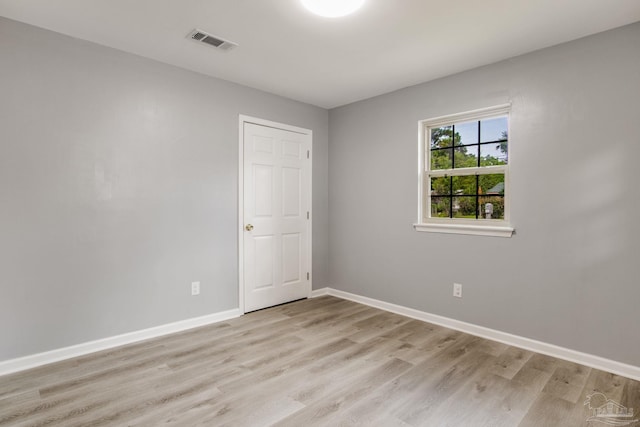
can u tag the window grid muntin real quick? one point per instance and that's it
(477, 171)
(452, 148)
(451, 195)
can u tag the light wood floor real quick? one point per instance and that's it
(323, 361)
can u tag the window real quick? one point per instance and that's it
(464, 168)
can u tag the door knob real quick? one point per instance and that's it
(248, 227)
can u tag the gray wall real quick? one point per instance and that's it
(118, 187)
(570, 276)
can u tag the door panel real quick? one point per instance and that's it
(277, 197)
(291, 261)
(263, 190)
(291, 149)
(262, 144)
(291, 189)
(264, 256)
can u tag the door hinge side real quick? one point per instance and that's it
(308, 154)
(307, 214)
(307, 276)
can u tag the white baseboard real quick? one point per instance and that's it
(32, 361)
(319, 292)
(586, 359)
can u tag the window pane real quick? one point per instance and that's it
(440, 207)
(466, 133)
(441, 159)
(441, 186)
(470, 146)
(491, 184)
(493, 129)
(466, 157)
(491, 207)
(493, 154)
(464, 207)
(441, 137)
(464, 185)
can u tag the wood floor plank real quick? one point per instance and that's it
(568, 381)
(543, 363)
(419, 409)
(468, 404)
(323, 361)
(345, 393)
(549, 410)
(631, 396)
(508, 401)
(510, 362)
(418, 387)
(610, 385)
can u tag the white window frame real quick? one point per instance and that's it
(482, 227)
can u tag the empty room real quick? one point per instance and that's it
(319, 213)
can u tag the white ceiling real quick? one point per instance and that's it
(387, 45)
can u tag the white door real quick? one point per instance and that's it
(277, 202)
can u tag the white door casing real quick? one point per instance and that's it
(275, 214)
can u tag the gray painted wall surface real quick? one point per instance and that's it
(571, 275)
(118, 181)
(118, 188)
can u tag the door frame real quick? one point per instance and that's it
(242, 119)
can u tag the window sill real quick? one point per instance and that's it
(471, 229)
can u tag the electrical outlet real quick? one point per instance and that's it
(195, 288)
(457, 290)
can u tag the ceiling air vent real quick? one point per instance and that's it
(211, 40)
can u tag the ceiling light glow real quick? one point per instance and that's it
(333, 8)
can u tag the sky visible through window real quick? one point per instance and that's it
(490, 130)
